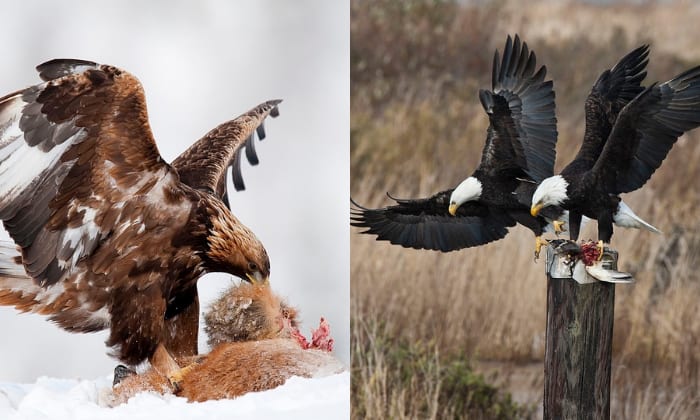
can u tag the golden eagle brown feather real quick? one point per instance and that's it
(108, 234)
(232, 243)
(203, 165)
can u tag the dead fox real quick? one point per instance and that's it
(255, 346)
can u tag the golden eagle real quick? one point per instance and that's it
(107, 234)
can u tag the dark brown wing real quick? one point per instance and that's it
(71, 150)
(614, 89)
(646, 130)
(522, 134)
(426, 223)
(204, 165)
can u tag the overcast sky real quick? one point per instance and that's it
(202, 63)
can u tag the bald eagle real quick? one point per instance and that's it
(107, 234)
(519, 152)
(629, 132)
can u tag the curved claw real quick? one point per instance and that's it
(559, 227)
(539, 242)
(163, 363)
(601, 250)
(175, 378)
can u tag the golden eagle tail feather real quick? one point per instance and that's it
(16, 287)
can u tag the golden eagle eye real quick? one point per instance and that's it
(252, 266)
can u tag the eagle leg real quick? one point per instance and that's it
(558, 227)
(163, 362)
(539, 242)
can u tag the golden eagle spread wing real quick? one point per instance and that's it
(204, 165)
(81, 184)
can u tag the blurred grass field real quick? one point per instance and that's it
(417, 127)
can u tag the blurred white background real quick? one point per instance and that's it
(202, 63)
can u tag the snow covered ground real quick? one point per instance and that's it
(57, 399)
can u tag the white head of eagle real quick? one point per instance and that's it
(550, 192)
(467, 190)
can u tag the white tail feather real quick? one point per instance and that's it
(13, 278)
(25, 293)
(625, 217)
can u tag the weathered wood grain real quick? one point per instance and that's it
(578, 349)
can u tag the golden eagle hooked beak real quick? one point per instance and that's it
(256, 278)
(453, 208)
(535, 209)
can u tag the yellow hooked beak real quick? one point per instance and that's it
(256, 278)
(453, 208)
(535, 209)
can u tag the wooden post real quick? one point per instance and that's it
(578, 346)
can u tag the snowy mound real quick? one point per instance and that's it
(57, 399)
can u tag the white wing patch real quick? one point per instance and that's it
(78, 241)
(21, 164)
(100, 316)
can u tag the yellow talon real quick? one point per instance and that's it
(558, 227)
(601, 249)
(176, 377)
(539, 242)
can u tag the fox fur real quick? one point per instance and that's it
(255, 347)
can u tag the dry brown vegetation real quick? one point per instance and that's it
(417, 128)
